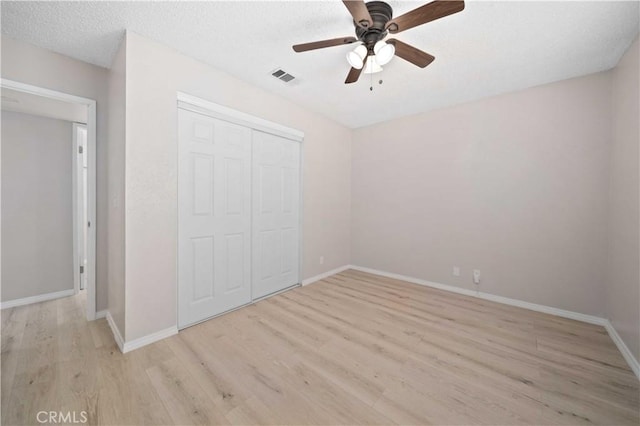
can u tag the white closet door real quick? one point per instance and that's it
(276, 181)
(214, 217)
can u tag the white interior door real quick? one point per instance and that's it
(79, 200)
(276, 181)
(214, 217)
(84, 207)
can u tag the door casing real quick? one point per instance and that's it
(90, 104)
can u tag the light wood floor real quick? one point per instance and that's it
(352, 349)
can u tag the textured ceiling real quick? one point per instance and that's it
(487, 49)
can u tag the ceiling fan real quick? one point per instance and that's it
(373, 21)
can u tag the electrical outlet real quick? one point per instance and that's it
(456, 271)
(322, 260)
(476, 276)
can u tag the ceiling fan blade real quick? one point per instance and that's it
(354, 75)
(427, 13)
(324, 43)
(358, 9)
(411, 54)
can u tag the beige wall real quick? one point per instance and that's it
(39, 67)
(154, 74)
(517, 185)
(37, 228)
(623, 272)
(116, 167)
(514, 185)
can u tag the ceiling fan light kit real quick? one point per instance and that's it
(372, 66)
(384, 52)
(373, 21)
(357, 56)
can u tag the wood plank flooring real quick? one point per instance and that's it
(354, 348)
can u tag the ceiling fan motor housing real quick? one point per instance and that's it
(381, 13)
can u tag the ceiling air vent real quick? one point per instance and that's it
(282, 75)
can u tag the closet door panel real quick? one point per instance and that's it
(276, 186)
(214, 217)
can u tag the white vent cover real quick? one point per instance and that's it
(282, 75)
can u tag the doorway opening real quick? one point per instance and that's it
(74, 195)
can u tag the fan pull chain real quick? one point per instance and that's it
(371, 84)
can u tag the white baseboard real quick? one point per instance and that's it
(101, 314)
(36, 299)
(326, 274)
(149, 339)
(591, 319)
(140, 342)
(622, 347)
(116, 333)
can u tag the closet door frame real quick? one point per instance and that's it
(195, 104)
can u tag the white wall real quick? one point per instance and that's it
(116, 168)
(154, 74)
(37, 226)
(514, 185)
(623, 273)
(39, 67)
